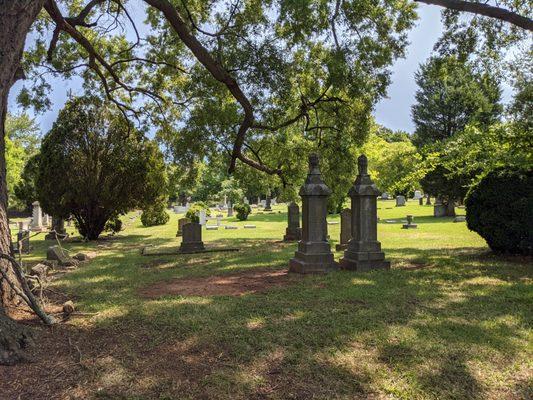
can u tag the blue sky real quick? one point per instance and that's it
(393, 111)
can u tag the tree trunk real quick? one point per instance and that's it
(16, 18)
(450, 208)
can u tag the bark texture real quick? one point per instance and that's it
(16, 18)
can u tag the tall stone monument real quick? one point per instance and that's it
(346, 229)
(268, 203)
(230, 209)
(293, 231)
(192, 238)
(314, 253)
(364, 251)
(37, 217)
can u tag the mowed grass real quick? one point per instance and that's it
(448, 321)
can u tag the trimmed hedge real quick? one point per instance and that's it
(500, 209)
(155, 215)
(243, 210)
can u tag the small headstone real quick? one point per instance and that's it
(439, 209)
(58, 230)
(400, 201)
(385, 196)
(230, 209)
(417, 195)
(346, 229)
(230, 227)
(82, 257)
(249, 226)
(40, 270)
(211, 227)
(181, 222)
(293, 231)
(409, 224)
(192, 238)
(268, 203)
(459, 218)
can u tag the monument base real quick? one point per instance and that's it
(312, 263)
(409, 226)
(292, 236)
(364, 261)
(192, 247)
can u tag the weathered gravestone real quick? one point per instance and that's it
(439, 209)
(346, 229)
(418, 195)
(58, 229)
(37, 217)
(55, 253)
(385, 196)
(314, 253)
(268, 203)
(230, 209)
(181, 222)
(409, 224)
(293, 231)
(192, 238)
(400, 201)
(364, 251)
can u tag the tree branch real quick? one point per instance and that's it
(484, 9)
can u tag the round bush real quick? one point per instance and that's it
(243, 210)
(113, 225)
(155, 215)
(500, 209)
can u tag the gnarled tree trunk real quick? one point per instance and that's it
(16, 18)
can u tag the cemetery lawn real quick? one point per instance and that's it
(449, 321)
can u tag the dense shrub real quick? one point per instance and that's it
(155, 214)
(500, 209)
(113, 225)
(194, 211)
(243, 210)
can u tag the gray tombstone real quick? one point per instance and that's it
(293, 231)
(364, 250)
(314, 253)
(346, 229)
(400, 201)
(230, 209)
(192, 238)
(181, 222)
(385, 196)
(58, 229)
(268, 206)
(417, 195)
(439, 209)
(420, 201)
(409, 224)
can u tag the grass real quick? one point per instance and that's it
(449, 321)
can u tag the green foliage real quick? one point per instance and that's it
(194, 211)
(243, 210)
(231, 190)
(155, 214)
(25, 190)
(500, 209)
(22, 141)
(95, 166)
(113, 225)
(452, 95)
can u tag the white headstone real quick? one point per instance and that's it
(417, 195)
(202, 217)
(37, 220)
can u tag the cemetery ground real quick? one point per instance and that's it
(450, 320)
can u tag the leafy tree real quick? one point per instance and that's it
(231, 190)
(155, 214)
(95, 166)
(452, 95)
(25, 190)
(22, 142)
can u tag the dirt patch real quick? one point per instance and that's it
(246, 282)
